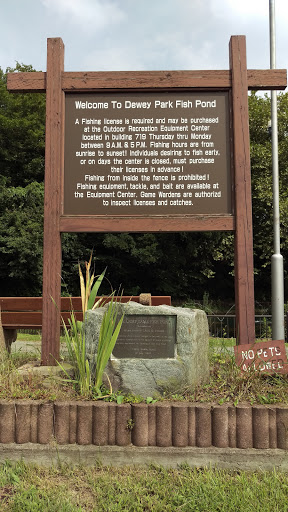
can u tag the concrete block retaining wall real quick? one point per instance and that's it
(161, 425)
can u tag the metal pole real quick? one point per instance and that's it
(277, 259)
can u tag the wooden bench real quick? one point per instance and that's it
(26, 312)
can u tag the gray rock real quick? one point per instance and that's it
(148, 377)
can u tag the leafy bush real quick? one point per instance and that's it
(86, 382)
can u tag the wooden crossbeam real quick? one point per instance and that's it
(258, 79)
(107, 224)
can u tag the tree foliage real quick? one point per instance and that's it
(21, 239)
(179, 264)
(22, 144)
(262, 188)
(22, 130)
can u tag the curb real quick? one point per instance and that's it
(219, 458)
(162, 425)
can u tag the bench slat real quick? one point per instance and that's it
(30, 320)
(26, 312)
(35, 303)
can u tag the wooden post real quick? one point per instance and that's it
(244, 279)
(54, 161)
(238, 80)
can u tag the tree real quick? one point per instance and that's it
(22, 128)
(262, 191)
(262, 196)
(184, 265)
(21, 239)
(171, 263)
(22, 134)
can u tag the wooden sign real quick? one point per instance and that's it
(148, 153)
(263, 357)
(207, 191)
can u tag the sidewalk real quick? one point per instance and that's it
(220, 458)
(31, 347)
(26, 346)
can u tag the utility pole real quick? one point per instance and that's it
(277, 259)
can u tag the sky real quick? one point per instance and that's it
(120, 35)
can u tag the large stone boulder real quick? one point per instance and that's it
(186, 366)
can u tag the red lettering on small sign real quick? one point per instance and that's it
(264, 357)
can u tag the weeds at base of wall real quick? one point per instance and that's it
(227, 385)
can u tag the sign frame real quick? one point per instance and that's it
(176, 164)
(55, 82)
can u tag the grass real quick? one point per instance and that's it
(13, 385)
(221, 342)
(23, 336)
(213, 342)
(229, 342)
(28, 488)
(227, 384)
